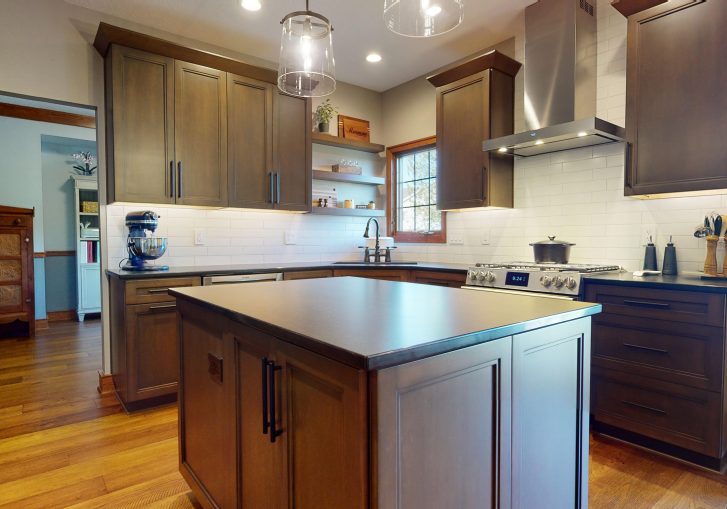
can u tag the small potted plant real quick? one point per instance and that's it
(86, 159)
(323, 115)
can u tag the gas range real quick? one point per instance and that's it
(544, 278)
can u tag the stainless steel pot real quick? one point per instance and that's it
(551, 251)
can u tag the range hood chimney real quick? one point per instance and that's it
(560, 82)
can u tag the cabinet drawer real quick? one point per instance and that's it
(666, 305)
(453, 279)
(678, 415)
(689, 355)
(146, 291)
(307, 274)
(16, 221)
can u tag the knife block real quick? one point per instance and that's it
(710, 262)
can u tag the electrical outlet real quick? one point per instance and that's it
(200, 239)
(486, 238)
(290, 238)
(648, 233)
(456, 240)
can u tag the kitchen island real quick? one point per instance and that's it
(357, 393)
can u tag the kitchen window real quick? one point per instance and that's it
(412, 208)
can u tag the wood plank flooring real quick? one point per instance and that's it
(64, 445)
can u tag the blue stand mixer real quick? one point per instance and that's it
(141, 247)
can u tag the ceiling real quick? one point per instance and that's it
(358, 30)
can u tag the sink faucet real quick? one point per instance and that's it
(377, 249)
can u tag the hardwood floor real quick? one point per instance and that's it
(64, 445)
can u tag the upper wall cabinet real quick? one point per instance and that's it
(676, 105)
(193, 128)
(475, 102)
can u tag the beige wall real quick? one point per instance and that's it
(357, 102)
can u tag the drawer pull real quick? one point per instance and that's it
(646, 348)
(646, 304)
(643, 407)
(157, 290)
(160, 308)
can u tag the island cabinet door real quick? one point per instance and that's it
(550, 386)
(442, 431)
(207, 438)
(323, 420)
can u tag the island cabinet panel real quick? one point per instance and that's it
(444, 430)
(676, 144)
(200, 134)
(307, 274)
(550, 388)
(250, 142)
(428, 277)
(140, 126)
(207, 434)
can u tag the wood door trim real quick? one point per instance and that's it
(68, 315)
(53, 254)
(109, 34)
(105, 383)
(46, 115)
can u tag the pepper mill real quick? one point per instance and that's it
(650, 256)
(710, 263)
(669, 266)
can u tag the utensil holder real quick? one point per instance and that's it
(710, 262)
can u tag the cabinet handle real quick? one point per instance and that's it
(484, 182)
(157, 290)
(646, 348)
(17, 221)
(274, 433)
(165, 306)
(171, 179)
(180, 186)
(627, 165)
(277, 188)
(272, 187)
(643, 407)
(215, 367)
(646, 304)
(264, 370)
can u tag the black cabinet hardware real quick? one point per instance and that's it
(264, 371)
(647, 304)
(646, 348)
(274, 433)
(643, 407)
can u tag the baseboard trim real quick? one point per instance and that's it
(69, 315)
(41, 324)
(105, 383)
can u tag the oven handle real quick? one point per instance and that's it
(521, 292)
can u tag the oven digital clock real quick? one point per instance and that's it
(517, 278)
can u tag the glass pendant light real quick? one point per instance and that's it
(306, 67)
(422, 18)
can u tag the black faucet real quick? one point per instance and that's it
(377, 249)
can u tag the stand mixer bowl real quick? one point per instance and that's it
(148, 248)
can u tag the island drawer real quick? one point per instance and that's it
(678, 415)
(658, 304)
(147, 291)
(679, 353)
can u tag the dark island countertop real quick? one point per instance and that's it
(259, 268)
(372, 324)
(685, 282)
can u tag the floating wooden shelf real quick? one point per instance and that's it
(336, 141)
(330, 211)
(347, 177)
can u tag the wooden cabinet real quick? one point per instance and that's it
(200, 134)
(430, 277)
(144, 340)
(17, 294)
(658, 370)
(475, 102)
(307, 274)
(292, 152)
(139, 126)
(676, 134)
(385, 274)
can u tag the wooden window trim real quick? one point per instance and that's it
(408, 237)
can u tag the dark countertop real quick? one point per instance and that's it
(372, 324)
(282, 267)
(685, 282)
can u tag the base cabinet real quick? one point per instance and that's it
(265, 424)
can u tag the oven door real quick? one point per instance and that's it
(520, 292)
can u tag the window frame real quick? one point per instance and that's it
(392, 153)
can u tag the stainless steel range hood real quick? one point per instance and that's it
(560, 82)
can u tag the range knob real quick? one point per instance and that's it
(546, 281)
(558, 282)
(472, 275)
(481, 275)
(571, 283)
(489, 276)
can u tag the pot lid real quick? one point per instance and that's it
(552, 242)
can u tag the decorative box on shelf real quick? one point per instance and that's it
(350, 167)
(90, 207)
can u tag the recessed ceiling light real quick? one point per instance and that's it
(502, 150)
(251, 5)
(373, 58)
(582, 134)
(433, 10)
